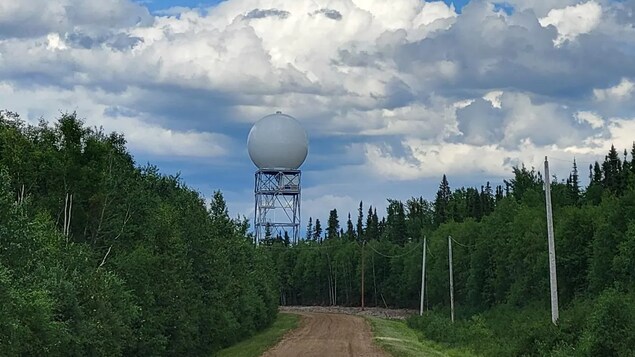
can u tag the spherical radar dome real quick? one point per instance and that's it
(278, 141)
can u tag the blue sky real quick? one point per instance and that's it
(393, 94)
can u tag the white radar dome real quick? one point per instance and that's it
(278, 141)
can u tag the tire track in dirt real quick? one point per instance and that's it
(331, 335)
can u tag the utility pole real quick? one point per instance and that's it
(423, 276)
(451, 278)
(363, 242)
(552, 248)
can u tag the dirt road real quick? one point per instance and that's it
(328, 335)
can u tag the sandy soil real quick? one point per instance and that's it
(328, 335)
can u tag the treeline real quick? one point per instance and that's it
(499, 250)
(99, 257)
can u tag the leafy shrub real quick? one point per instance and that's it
(609, 331)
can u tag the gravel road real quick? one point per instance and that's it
(326, 334)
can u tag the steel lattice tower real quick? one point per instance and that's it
(277, 209)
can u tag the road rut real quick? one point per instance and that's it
(331, 335)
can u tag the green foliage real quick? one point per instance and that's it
(500, 262)
(262, 341)
(102, 258)
(396, 337)
(609, 330)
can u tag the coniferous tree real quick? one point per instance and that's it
(487, 199)
(333, 226)
(625, 177)
(372, 225)
(612, 168)
(268, 234)
(442, 202)
(317, 231)
(360, 217)
(594, 191)
(499, 194)
(381, 227)
(309, 229)
(395, 224)
(573, 184)
(376, 223)
(350, 230)
(597, 174)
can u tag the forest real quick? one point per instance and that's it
(500, 262)
(100, 256)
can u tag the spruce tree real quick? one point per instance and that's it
(487, 199)
(574, 183)
(360, 217)
(396, 222)
(309, 229)
(333, 226)
(350, 230)
(442, 201)
(372, 225)
(612, 168)
(597, 174)
(499, 194)
(317, 231)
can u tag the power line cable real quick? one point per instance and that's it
(463, 245)
(394, 256)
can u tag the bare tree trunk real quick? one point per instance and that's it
(335, 288)
(123, 226)
(103, 261)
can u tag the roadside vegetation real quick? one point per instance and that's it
(264, 340)
(500, 262)
(398, 339)
(101, 257)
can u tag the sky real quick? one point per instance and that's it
(393, 94)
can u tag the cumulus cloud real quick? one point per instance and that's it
(572, 21)
(591, 118)
(392, 90)
(142, 135)
(622, 90)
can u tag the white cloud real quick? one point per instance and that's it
(431, 160)
(54, 42)
(591, 118)
(572, 21)
(388, 90)
(623, 90)
(100, 110)
(494, 97)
